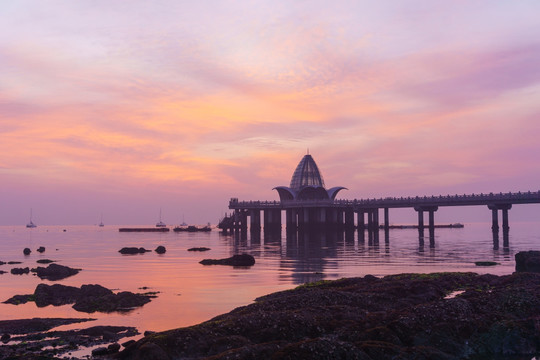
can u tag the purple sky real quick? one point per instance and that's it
(121, 108)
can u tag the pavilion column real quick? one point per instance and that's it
(386, 219)
(255, 219)
(360, 221)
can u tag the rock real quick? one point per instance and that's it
(485, 263)
(160, 249)
(55, 295)
(132, 250)
(528, 261)
(27, 251)
(2, 272)
(44, 261)
(14, 262)
(199, 249)
(5, 338)
(20, 271)
(149, 332)
(128, 343)
(55, 272)
(2, 263)
(405, 316)
(113, 348)
(235, 260)
(41, 249)
(18, 299)
(100, 351)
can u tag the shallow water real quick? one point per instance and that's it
(190, 293)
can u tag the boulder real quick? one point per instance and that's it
(528, 261)
(132, 250)
(27, 251)
(55, 295)
(5, 338)
(44, 261)
(199, 249)
(113, 348)
(41, 249)
(55, 272)
(160, 249)
(235, 260)
(20, 271)
(100, 351)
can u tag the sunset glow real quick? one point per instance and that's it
(123, 108)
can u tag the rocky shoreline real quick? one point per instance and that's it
(405, 316)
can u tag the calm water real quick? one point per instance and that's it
(191, 293)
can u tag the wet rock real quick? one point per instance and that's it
(45, 261)
(485, 263)
(18, 299)
(5, 338)
(2, 263)
(2, 272)
(528, 261)
(113, 348)
(20, 271)
(199, 249)
(55, 272)
(406, 316)
(27, 251)
(160, 249)
(41, 249)
(100, 351)
(55, 295)
(148, 332)
(14, 262)
(128, 343)
(132, 250)
(235, 260)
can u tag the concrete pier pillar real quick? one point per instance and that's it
(506, 227)
(494, 220)
(386, 219)
(349, 219)
(420, 219)
(360, 221)
(376, 219)
(255, 219)
(431, 220)
(291, 219)
(272, 219)
(370, 220)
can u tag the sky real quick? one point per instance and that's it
(122, 108)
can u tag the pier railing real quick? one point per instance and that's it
(398, 202)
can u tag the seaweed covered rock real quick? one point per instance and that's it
(132, 250)
(407, 316)
(235, 260)
(528, 261)
(55, 272)
(87, 298)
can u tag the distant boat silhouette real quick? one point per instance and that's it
(31, 224)
(160, 223)
(101, 224)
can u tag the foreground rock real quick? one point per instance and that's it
(528, 261)
(408, 316)
(198, 249)
(132, 250)
(87, 298)
(55, 272)
(235, 260)
(39, 343)
(160, 249)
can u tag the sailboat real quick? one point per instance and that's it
(160, 223)
(101, 224)
(31, 224)
(183, 222)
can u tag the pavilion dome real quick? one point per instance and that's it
(307, 183)
(306, 174)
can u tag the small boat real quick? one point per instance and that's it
(101, 224)
(192, 228)
(31, 224)
(160, 223)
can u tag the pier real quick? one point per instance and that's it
(309, 205)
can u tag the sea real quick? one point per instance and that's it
(190, 293)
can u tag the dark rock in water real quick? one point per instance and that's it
(128, 343)
(485, 263)
(132, 250)
(2, 262)
(18, 299)
(5, 338)
(55, 295)
(27, 251)
(55, 272)
(148, 332)
(2, 272)
(235, 260)
(407, 316)
(160, 249)
(199, 249)
(41, 249)
(25, 326)
(87, 298)
(528, 261)
(20, 271)
(44, 261)
(100, 351)
(113, 348)
(14, 262)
